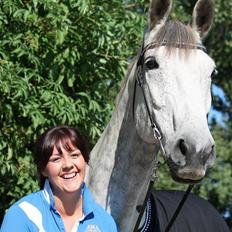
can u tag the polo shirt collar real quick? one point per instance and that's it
(48, 194)
(88, 202)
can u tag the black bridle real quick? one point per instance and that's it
(141, 81)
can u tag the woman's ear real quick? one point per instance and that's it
(202, 17)
(44, 173)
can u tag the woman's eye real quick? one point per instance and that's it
(214, 73)
(75, 155)
(151, 63)
(55, 159)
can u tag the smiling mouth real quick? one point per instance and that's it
(69, 176)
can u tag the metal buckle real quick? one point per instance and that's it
(156, 132)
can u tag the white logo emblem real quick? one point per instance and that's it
(92, 228)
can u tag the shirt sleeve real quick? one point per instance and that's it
(15, 220)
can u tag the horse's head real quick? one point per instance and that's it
(176, 81)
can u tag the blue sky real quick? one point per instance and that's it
(214, 113)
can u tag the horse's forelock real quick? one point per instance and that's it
(174, 34)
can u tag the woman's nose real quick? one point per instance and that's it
(67, 162)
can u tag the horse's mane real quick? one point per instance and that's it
(175, 36)
(124, 81)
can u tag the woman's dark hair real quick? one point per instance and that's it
(56, 137)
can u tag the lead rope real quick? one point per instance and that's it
(184, 198)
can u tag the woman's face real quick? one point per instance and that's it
(66, 171)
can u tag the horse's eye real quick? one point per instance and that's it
(214, 73)
(151, 63)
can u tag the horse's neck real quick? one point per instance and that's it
(121, 165)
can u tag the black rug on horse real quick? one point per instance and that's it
(197, 214)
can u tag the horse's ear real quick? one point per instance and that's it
(202, 18)
(158, 12)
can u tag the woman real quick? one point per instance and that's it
(64, 203)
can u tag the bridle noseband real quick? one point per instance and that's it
(141, 81)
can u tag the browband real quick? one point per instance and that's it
(173, 44)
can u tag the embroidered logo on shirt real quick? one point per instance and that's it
(92, 228)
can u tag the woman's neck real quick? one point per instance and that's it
(69, 204)
(70, 207)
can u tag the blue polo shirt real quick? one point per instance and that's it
(36, 213)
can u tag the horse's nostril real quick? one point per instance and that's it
(183, 147)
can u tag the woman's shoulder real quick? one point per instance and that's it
(33, 199)
(16, 217)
